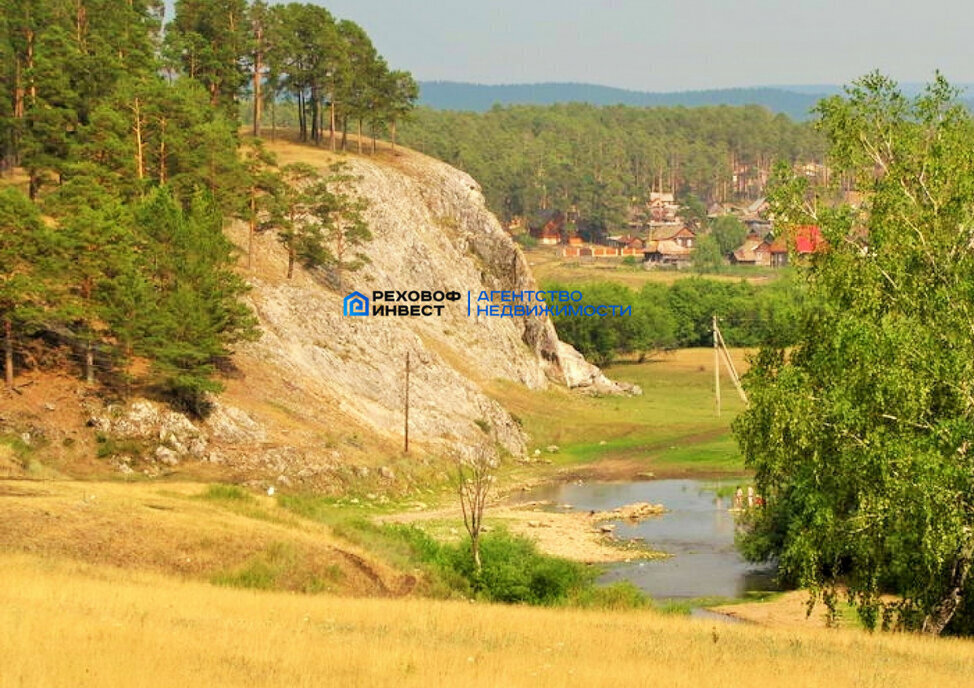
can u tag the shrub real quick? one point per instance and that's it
(222, 492)
(623, 595)
(515, 572)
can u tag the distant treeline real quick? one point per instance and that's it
(600, 159)
(454, 95)
(680, 315)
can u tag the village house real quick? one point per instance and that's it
(665, 253)
(547, 227)
(683, 236)
(766, 252)
(663, 207)
(746, 254)
(771, 253)
(627, 241)
(667, 246)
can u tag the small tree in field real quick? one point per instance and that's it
(475, 472)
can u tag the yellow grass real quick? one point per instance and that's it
(173, 529)
(78, 625)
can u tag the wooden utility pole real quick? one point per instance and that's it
(716, 366)
(735, 378)
(720, 347)
(406, 418)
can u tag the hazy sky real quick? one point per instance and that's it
(671, 45)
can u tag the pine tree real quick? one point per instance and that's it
(198, 314)
(339, 211)
(23, 291)
(263, 182)
(209, 39)
(94, 244)
(298, 228)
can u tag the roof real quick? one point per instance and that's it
(667, 247)
(745, 252)
(755, 207)
(664, 233)
(808, 239)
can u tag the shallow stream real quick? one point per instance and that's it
(697, 530)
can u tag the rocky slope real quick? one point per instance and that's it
(320, 395)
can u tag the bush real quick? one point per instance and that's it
(222, 492)
(514, 571)
(623, 595)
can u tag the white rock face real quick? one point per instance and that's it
(316, 379)
(431, 232)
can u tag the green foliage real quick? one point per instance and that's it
(25, 252)
(618, 596)
(729, 232)
(21, 450)
(280, 566)
(115, 446)
(600, 159)
(707, 256)
(319, 219)
(513, 570)
(222, 492)
(861, 435)
(195, 313)
(680, 315)
(208, 40)
(693, 210)
(649, 327)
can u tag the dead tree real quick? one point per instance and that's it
(475, 471)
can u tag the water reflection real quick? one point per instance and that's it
(697, 529)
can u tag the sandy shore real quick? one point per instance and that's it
(567, 534)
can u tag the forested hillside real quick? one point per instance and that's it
(120, 166)
(598, 159)
(453, 95)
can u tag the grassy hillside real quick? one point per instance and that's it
(80, 625)
(672, 428)
(216, 533)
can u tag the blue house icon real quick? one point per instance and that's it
(356, 304)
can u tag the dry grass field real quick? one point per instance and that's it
(212, 533)
(548, 266)
(70, 624)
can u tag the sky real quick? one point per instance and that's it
(656, 45)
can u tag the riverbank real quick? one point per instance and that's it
(564, 533)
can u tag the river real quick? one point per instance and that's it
(697, 530)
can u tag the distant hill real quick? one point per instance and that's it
(452, 95)
(794, 101)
